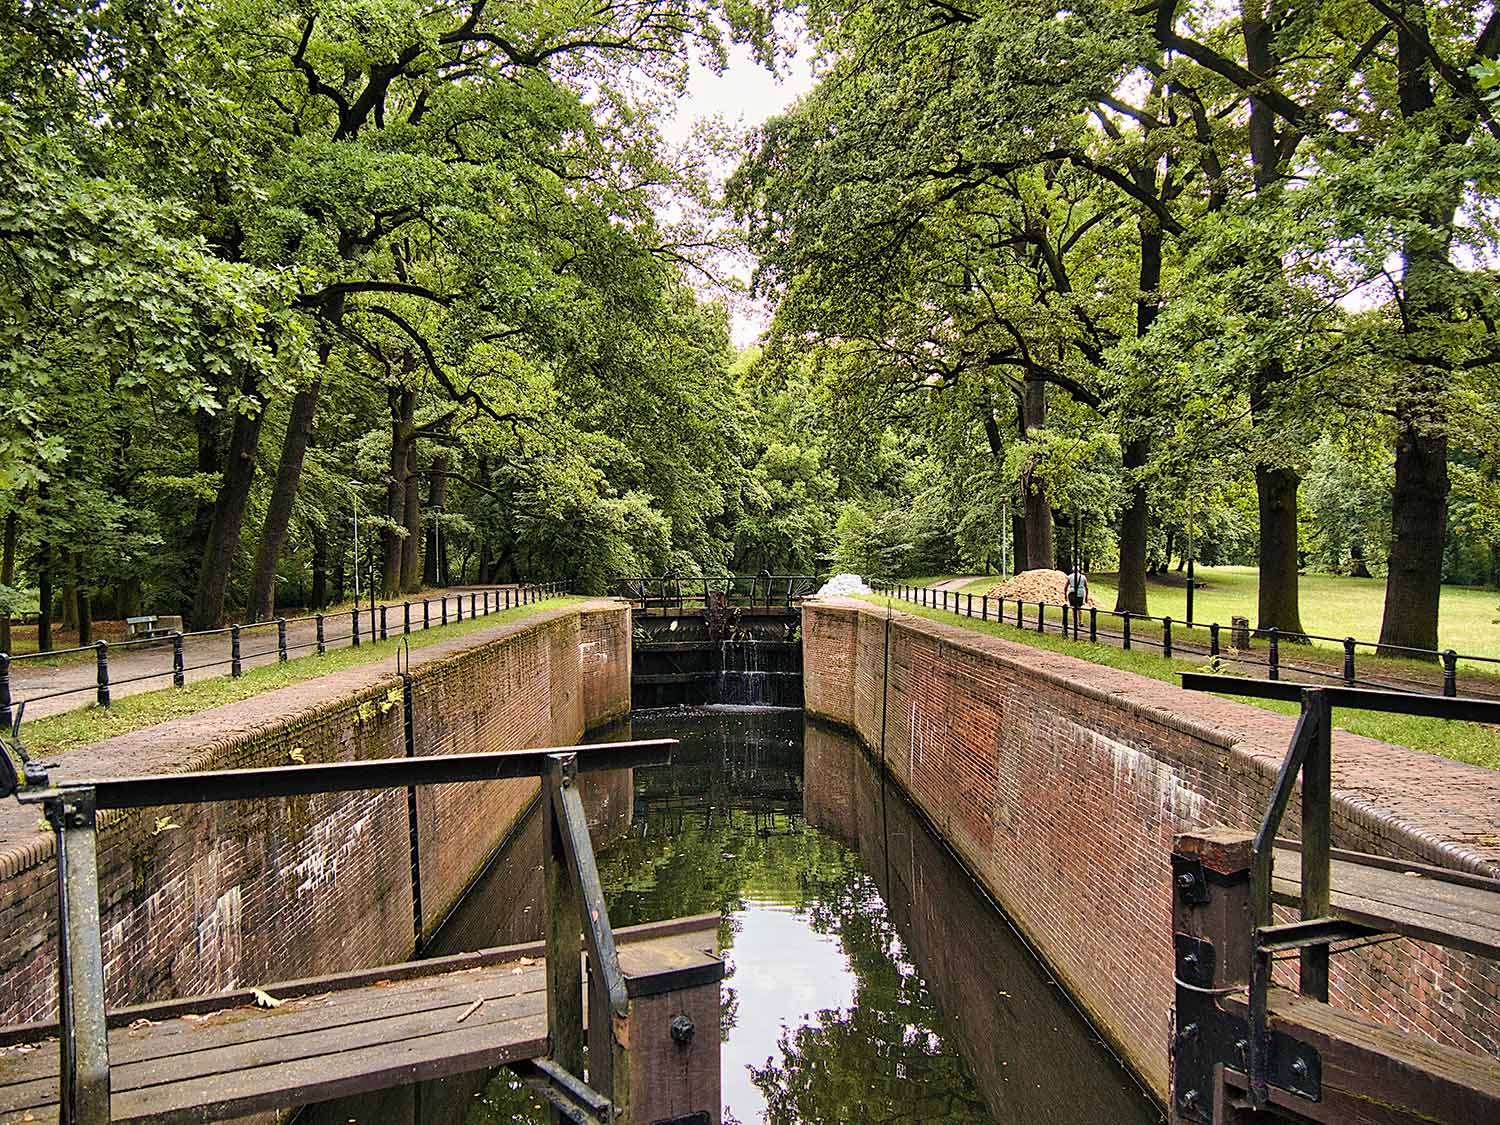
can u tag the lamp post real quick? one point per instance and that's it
(354, 506)
(1190, 558)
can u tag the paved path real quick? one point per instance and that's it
(962, 580)
(142, 667)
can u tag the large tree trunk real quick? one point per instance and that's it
(8, 573)
(435, 558)
(1275, 483)
(207, 429)
(411, 578)
(1040, 550)
(283, 496)
(403, 407)
(1419, 500)
(1131, 596)
(228, 516)
(1419, 505)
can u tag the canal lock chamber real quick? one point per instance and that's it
(870, 978)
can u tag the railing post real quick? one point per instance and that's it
(507, 598)
(443, 605)
(281, 654)
(472, 596)
(1317, 839)
(1213, 639)
(1125, 630)
(984, 607)
(1274, 662)
(486, 603)
(1093, 624)
(970, 611)
(1020, 621)
(354, 625)
(383, 633)
(179, 672)
(322, 639)
(1041, 617)
(1166, 638)
(1065, 620)
(426, 613)
(5, 717)
(406, 617)
(101, 677)
(1349, 661)
(236, 669)
(83, 1032)
(458, 605)
(1450, 673)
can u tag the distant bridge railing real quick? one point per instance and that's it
(701, 593)
(1227, 644)
(370, 622)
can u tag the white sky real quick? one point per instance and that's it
(744, 96)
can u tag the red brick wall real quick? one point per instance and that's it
(196, 899)
(1062, 783)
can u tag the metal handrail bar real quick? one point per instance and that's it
(212, 786)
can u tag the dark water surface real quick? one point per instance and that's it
(869, 978)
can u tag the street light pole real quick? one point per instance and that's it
(1191, 552)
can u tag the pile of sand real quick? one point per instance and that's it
(1049, 586)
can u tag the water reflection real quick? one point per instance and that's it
(869, 979)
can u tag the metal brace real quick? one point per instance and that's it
(571, 1097)
(32, 776)
(1206, 1035)
(1190, 880)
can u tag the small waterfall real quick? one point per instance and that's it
(760, 674)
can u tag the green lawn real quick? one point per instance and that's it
(1475, 743)
(57, 734)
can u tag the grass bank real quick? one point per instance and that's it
(1474, 743)
(57, 734)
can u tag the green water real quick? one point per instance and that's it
(869, 980)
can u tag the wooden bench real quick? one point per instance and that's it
(219, 1057)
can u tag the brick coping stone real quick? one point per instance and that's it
(201, 740)
(1445, 811)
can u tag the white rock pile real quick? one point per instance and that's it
(845, 584)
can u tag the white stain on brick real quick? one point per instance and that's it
(593, 655)
(323, 858)
(1137, 773)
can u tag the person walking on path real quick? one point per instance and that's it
(1077, 588)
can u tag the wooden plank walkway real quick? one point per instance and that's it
(212, 1058)
(1428, 903)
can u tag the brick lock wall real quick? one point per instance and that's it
(1062, 783)
(196, 899)
(604, 654)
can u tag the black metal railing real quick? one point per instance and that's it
(1231, 646)
(347, 628)
(574, 897)
(1308, 766)
(702, 593)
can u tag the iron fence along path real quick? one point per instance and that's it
(1276, 655)
(231, 649)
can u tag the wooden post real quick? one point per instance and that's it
(1212, 950)
(666, 1050)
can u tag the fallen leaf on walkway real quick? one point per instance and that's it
(142, 1022)
(264, 999)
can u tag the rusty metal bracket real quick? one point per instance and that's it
(569, 1095)
(1207, 1035)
